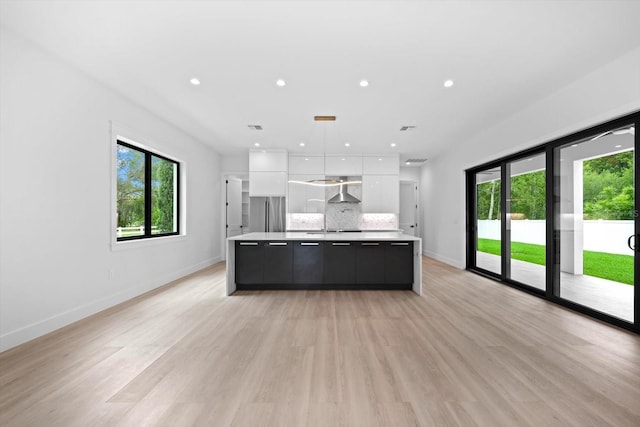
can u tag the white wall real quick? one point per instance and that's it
(410, 174)
(605, 93)
(55, 210)
(238, 164)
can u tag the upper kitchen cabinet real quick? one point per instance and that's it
(267, 172)
(380, 194)
(380, 165)
(299, 165)
(267, 161)
(303, 197)
(267, 184)
(336, 165)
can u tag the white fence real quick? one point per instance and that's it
(599, 236)
(133, 231)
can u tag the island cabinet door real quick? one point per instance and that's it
(278, 263)
(308, 263)
(339, 263)
(249, 262)
(398, 263)
(370, 263)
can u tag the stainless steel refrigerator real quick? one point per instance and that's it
(267, 214)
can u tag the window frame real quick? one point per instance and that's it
(148, 155)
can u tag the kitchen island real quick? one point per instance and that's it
(317, 260)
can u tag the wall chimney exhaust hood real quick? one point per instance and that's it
(343, 195)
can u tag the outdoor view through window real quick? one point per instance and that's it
(147, 194)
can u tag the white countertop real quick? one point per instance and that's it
(319, 236)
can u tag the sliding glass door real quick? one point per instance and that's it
(487, 216)
(526, 221)
(561, 221)
(597, 217)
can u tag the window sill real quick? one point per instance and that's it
(142, 243)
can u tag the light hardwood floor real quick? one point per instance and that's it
(467, 352)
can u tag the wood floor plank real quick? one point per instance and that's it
(468, 352)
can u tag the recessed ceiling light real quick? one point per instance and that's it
(306, 158)
(257, 144)
(407, 163)
(364, 83)
(342, 158)
(618, 146)
(195, 81)
(302, 144)
(281, 82)
(448, 83)
(380, 159)
(346, 144)
(393, 144)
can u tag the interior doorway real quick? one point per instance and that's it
(408, 221)
(233, 215)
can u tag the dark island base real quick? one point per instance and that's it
(327, 287)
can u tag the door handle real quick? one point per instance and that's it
(632, 237)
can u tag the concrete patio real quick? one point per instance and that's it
(612, 298)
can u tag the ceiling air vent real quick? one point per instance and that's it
(406, 128)
(414, 161)
(255, 127)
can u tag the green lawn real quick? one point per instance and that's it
(598, 264)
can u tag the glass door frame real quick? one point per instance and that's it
(552, 289)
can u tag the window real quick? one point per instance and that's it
(147, 194)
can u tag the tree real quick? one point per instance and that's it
(130, 187)
(608, 191)
(164, 171)
(528, 195)
(488, 199)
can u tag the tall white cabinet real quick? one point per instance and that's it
(267, 172)
(380, 184)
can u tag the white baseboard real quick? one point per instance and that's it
(50, 324)
(453, 262)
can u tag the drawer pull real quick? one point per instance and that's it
(277, 243)
(370, 244)
(248, 243)
(400, 244)
(341, 244)
(309, 243)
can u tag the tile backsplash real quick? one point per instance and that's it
(344, 216)
(378, 221)
(305, 221)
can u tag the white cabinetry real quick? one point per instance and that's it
(380, 165)
(245, 206)
(380, 194)
(306, 165)
(267, 172)
(336, 165)
(267, 183)
(267, 161)
(305, 198)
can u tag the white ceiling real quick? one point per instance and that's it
(502, 55)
